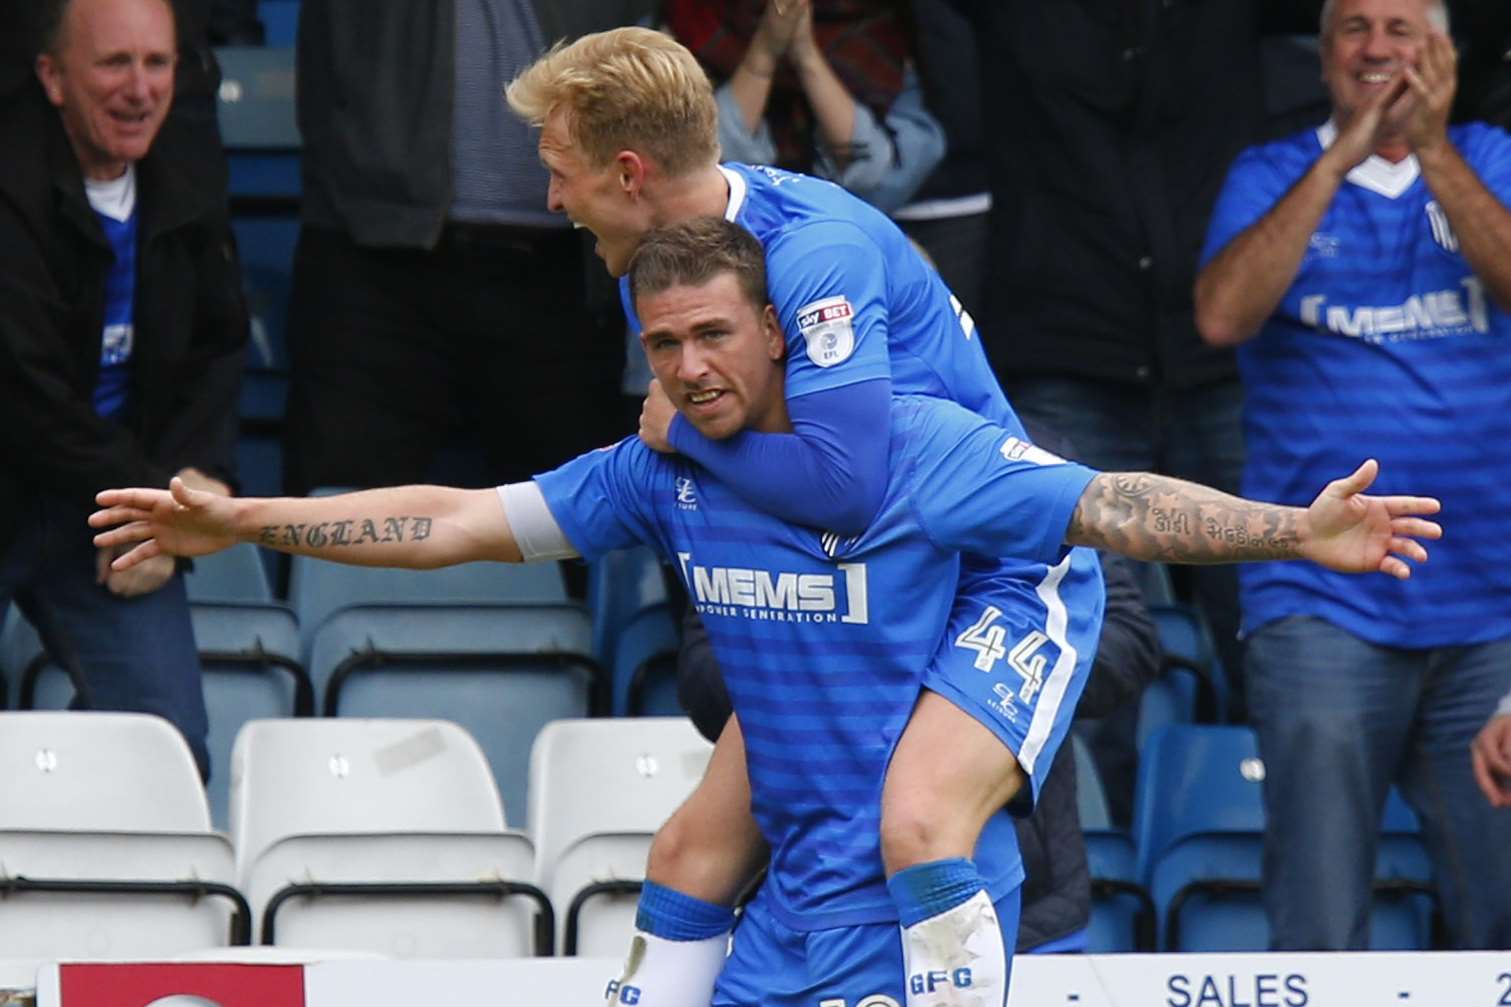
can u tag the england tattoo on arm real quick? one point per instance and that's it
(1151, 517)
(354, 532)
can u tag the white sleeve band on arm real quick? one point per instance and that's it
(1505, 707)
(535, 530)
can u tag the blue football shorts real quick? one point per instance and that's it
(1016, 653)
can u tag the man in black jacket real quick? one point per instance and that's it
(121, 336)
(429, 273)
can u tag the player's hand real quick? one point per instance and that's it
(1346, 530)
(177, 521)
(1433, 83)
(1491, 753)
(656, 415)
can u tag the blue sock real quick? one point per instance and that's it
(669, 914)
(937, 886)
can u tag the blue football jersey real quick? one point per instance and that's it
(824, 641)
(1387, 346)
(855, 299)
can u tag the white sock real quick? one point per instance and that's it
(956, 959)
(665, 973)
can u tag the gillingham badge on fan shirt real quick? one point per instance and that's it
(828, 330)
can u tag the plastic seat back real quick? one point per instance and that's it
(330, 776)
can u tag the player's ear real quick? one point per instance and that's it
(771, 328)
(631, 170)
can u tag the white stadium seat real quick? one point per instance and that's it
(599, 789)
(380, 835)
(105, 842)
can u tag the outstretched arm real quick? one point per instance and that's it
(420, 527)
(1151, 517)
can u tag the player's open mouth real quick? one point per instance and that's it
(1375, 77)
(705, 397)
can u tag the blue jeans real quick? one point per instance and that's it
(130, 654)
(1339, 720)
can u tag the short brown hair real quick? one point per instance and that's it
(694, 252)
(625, 89)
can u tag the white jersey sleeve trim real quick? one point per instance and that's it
(535, 529)
(1505, 708)
(736, 193)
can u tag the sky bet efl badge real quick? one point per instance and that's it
(827, 327)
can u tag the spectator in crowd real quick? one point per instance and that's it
(825, 87)
(948, 215)
(1364, 271)
(201, 24)
(428, 268)
(1110, 125)
(121, 331)
(1492, 756)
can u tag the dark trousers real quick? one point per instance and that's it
(488, 340)
(127, 654)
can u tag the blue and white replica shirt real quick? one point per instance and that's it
(114, 205)
(823, 642)
(1385, 346)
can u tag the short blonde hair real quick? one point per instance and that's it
(625, 89)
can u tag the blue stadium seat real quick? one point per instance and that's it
(1169, 699)
(635, 632)
(502, 671)
(258, 124)
(280, 19)
(620, 584)
(318, 589)
(237, 574)
(644, 670)
(1188, 649)
(258, 128)
(1122, 913)
(1199, 822)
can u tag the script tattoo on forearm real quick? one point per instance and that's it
(355, 532)
(1152, 517)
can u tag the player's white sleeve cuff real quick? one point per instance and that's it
(535, 529)
(1505, 707)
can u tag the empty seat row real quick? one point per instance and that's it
(500, 649)
(1189, 878)
(378, 835)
